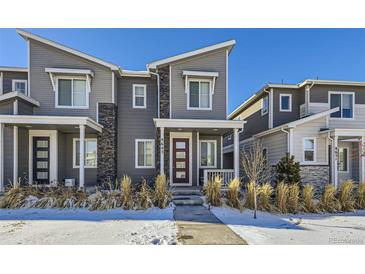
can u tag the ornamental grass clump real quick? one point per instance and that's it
(345, 196)
(328, 201)
(145, 196)
(13, 198)
(233, 194)
(293, 198)
(308, 195)
(282, 192)
(250, 195)
(161, 195)
(127, 192)
(264, 197)
(213, 191)
(360, 199)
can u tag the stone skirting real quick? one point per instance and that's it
(107, 143)
(319, 176)
(166, 152)
(164, 74)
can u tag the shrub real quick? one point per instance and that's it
(162, 196)
(345, 196)
(127, 192)
(250, 195)
(213, 191)
(361, 196)
(233, 194)
(145, 196)
(328, 200)
(308, 194)
(293, 198)
(264, 195)
(282, 191)
(288, 170)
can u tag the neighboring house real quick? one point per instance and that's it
(69, 115)
(320, 122)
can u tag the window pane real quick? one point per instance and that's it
(41, 164)
(90, 153)
(64, 92)
(149, 155)
(194, 94)
(309, 156)
(335, 102)
(180, 164)
(347, 105)
(203, 154)
(180, 145)
(42, 154)
(265, 104)
(309, 144)
(342, 159)
(79, 93)
(77, 148)
(140, 153)
(180, 155)
(42, 143)
(139, 91)
(211, 154)
(42, 175)
(180, 174)
(285, 102)
(20, 86)
(139, 101)
(204, 95)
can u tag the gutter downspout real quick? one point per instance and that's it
(332, 148)
(288, 148)
(158, 92)
(308, 89)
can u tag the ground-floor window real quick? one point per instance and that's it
(90, 153)
(309, 148)
(343, 159)
(145, 153)
(208, 153)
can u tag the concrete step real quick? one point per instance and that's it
(187, 201)
(186, 192)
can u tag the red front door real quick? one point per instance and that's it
(180, 155)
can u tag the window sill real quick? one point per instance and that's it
(191, 108)
(90, 167)
(72, 107)
(208, 166)
(285, 110)
(144, 107)
(145, 167)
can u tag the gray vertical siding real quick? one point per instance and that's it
(134, 124)
(213, 61)
(43, 56)
(8, 78)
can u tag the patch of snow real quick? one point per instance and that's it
(81, 226)
(269, 228)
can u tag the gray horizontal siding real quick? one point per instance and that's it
(43, 56)
(7, 107)
(8, 78)
(280, 117)
(24, 108)
(319, 93)
(213, 61)
(134, 124)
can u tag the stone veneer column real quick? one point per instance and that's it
(107, 143)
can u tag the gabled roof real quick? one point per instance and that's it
(27, 35)
(14, 69)
(227, 44)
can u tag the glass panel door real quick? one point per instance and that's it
(180, 161)
(41, 160)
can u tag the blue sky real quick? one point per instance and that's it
(260, 55)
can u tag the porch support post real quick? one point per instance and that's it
(82, 157)
(362, 159)
(335, 161)
(236, 153)
(2, 186)
(162, 150)
(290, 142)
(15, 155)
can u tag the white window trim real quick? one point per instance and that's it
(136, 153)
(144, 95)
(353, 104)
(290, 102)
(347, 159)
(210, 94)
(314, 149)
(73, 78)
(262, 109)
(14, 81)
(215, 153)
(74, 152)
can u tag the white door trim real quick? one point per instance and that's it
(188, 135)
(53, 150)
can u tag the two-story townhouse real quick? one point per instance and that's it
(319, 122)
(70, 115)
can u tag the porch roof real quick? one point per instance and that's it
(18, 95)
(50, 121)
(344, 132)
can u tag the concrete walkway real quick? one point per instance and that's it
(198, 226)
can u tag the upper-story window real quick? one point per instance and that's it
(139, 96)
(345, 101)
(285, 102)
(72, 93)
(200, 95)
(265, 105)
(20, 86)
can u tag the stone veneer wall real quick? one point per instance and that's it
(166, 152)
(319, 176)
(107, 143)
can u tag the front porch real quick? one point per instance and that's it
(190, 150)
(47, 149)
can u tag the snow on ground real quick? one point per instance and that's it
(81, 226)
(345, 228)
